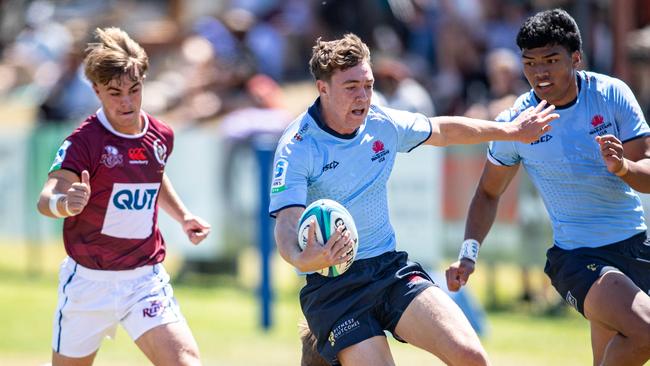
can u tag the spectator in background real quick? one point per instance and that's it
(395, 88)
(504, 84)
(586, 171)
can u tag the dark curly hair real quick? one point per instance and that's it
(548, 28)
(340, 54)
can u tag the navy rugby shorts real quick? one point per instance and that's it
(367, 299)
(572, 272)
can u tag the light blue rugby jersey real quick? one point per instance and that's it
(588, 206)
(314, 162)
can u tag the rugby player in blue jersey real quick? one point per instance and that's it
(586, 170)
(343, 148)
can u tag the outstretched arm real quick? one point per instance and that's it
(195, 227)
(527, 127)
(482, 212)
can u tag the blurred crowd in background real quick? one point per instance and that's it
(224, 60)
(241, 66)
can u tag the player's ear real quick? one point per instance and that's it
(95, 89)
(576, 59)
(322, 86)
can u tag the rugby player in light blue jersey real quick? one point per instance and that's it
(343, 148)
(585, 170)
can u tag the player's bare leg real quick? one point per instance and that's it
(600, 337)
(433, 322)
(373, 351)
(615, 302)
(170, 344)
(60, 360)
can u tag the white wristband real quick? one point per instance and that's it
(54, 209)
(469, 250)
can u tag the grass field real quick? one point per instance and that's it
(223, 313)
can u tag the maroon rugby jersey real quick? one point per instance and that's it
(118, 229)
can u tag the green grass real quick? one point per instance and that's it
(224, 317)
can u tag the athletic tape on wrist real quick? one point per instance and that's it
(54, 209)
(469, 249)
(621, 172)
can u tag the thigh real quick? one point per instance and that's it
(436, 324)
(373, 351)
(170, 344)
(83, 317)
(617, 304)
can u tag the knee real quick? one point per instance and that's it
(189, 356)
(640, 337)
(471, 356)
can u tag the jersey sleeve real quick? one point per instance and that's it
(73, 155)
(504, 152)
(290, 176)
(413, 129)
(628, 113)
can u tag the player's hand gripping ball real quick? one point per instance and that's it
(328, 215)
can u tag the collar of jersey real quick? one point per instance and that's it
(571, 103)
(315, 113)
(104, 121)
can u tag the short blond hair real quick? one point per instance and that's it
(340, 54)
(115, 55)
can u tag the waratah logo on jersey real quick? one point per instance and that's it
(599, 125)
(380, 152)
(111, 157)
(160, 152)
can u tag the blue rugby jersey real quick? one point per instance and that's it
(314, 162)
(588, 206)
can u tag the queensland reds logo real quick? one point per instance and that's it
(160, 151)
(112, 157)
(377, 146)
(597, 120)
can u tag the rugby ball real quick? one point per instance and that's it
(328, 215)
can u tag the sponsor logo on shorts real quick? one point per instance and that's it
(571, 300)
(413, 280)
(156, 308)
(343, 329)
(160, 152)
(111, 157)
(592, 267)
(279, 176)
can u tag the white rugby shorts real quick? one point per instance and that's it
(91, 303)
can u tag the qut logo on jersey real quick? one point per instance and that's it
(134, 200)
(130, 210)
